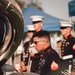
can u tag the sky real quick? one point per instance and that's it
(57, 8)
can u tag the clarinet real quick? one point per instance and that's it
(26, 52)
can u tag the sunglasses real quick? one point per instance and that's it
(35, 42)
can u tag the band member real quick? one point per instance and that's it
(49, 59)
(26, 53)
(67, 47)
(37, 22)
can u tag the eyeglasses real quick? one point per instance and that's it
(37, 42)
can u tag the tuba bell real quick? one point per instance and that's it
(11, 29)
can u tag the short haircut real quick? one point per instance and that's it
(42, 34)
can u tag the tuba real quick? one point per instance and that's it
(12, 23)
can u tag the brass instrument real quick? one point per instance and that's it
(11, 15)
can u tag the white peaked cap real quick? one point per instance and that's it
(30, 27)
(36, 18)
(66, 24)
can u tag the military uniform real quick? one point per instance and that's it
(46, 58)
(36, 58)
(67, 49)
(36, 19)
(25, 56)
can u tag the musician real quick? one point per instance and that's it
(37, 21)
(67, 47)
(26, 53)
(49, 59)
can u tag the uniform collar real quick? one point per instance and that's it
(40, 30)
(69, 36)
(47, 49)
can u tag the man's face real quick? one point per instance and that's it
(65, 31)
(39, 44)
(30, 34)
(38, 26)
